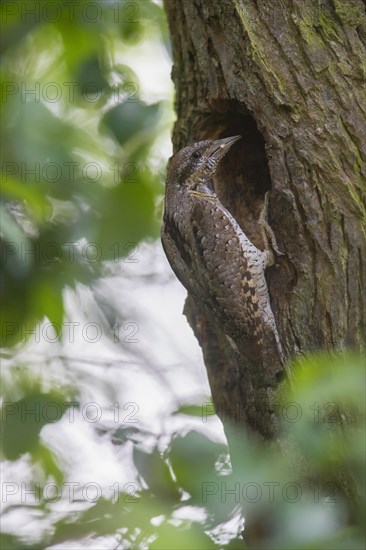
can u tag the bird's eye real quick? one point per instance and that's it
(196, 155)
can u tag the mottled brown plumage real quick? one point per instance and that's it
(213, 258)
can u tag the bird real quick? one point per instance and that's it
(216, 262)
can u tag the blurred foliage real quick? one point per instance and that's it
(76, 138)
(76, 181)
(186, 494)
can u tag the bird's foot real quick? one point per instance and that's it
(269, 238)
(200, 194)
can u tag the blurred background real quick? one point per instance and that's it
(109, 437)
(92, 316)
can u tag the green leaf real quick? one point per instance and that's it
(132, 117)
(187, 536)
(196, 449)
(47, 298)
(156, 473)
(129, 216)
(92, 82)
(23, 420)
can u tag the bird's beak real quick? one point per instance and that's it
(220, 147)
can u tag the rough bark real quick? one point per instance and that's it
(289, 77)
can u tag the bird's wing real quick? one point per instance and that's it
(178, 251)
(225, 275)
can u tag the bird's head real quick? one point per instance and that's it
(197, 163)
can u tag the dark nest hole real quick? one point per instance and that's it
(243, 176)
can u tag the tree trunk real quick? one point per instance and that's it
(289, 77)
